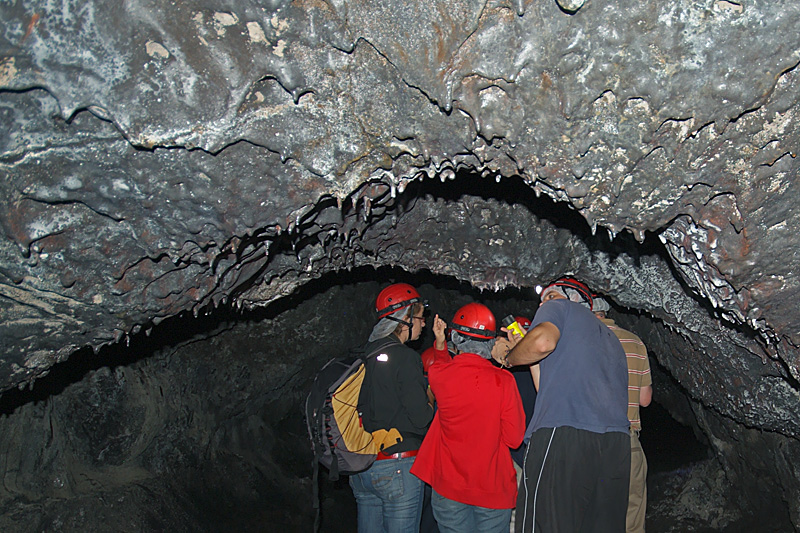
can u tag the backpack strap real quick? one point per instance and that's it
(388, 341)
(315, 494)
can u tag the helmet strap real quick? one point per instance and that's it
(408, 324)
(482, 334)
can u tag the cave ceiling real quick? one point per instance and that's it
(163, 158)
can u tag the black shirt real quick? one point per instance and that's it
(394, 395)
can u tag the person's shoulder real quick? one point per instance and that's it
(560, 312)
(550, 308)
(384, 343)
(628, 335)
(392, 347)
(507, 380)
(505, 374)
(634, 336)
(404, 353)
(556, 301)
(561, 305)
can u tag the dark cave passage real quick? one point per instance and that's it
(266, 476)
(200, 421)
(668, 444)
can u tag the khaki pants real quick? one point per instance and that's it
(637, 495)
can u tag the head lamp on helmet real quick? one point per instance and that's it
(571, 289)
(394, 297)
(475, 320)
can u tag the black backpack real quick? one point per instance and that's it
(338, 440)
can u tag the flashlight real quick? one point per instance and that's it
(511, 324)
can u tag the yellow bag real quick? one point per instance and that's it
(345, 410)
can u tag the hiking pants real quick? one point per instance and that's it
(637, 500)
(389, 497)
(574, 481)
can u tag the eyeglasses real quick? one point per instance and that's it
(418, 318)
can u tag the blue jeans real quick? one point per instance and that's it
(455, 517)
(389, 497)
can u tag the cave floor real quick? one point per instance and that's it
(680, 501)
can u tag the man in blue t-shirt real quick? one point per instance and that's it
(577, 464)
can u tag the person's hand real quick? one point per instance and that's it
(500, 350)
(439, 327)
(511, 336)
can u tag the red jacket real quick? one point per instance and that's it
(465, 456)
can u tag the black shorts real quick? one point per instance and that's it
(574, 481)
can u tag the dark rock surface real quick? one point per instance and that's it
(163, 159)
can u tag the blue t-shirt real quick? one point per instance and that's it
(584, 381)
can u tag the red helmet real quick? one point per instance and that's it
(394, 297)
(567, 285)
(427, 359)
(475, 320)
(523, 322)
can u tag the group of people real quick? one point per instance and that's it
(456, 414)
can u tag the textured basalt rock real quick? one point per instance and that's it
(162, 158)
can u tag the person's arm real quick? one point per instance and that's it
(646, 383)
(645, 395)
(536, 372)
(537, 344)
(440, 353)
(439, 327)
(512, 419)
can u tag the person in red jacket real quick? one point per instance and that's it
(466, 454)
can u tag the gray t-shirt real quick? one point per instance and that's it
(584, 381)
